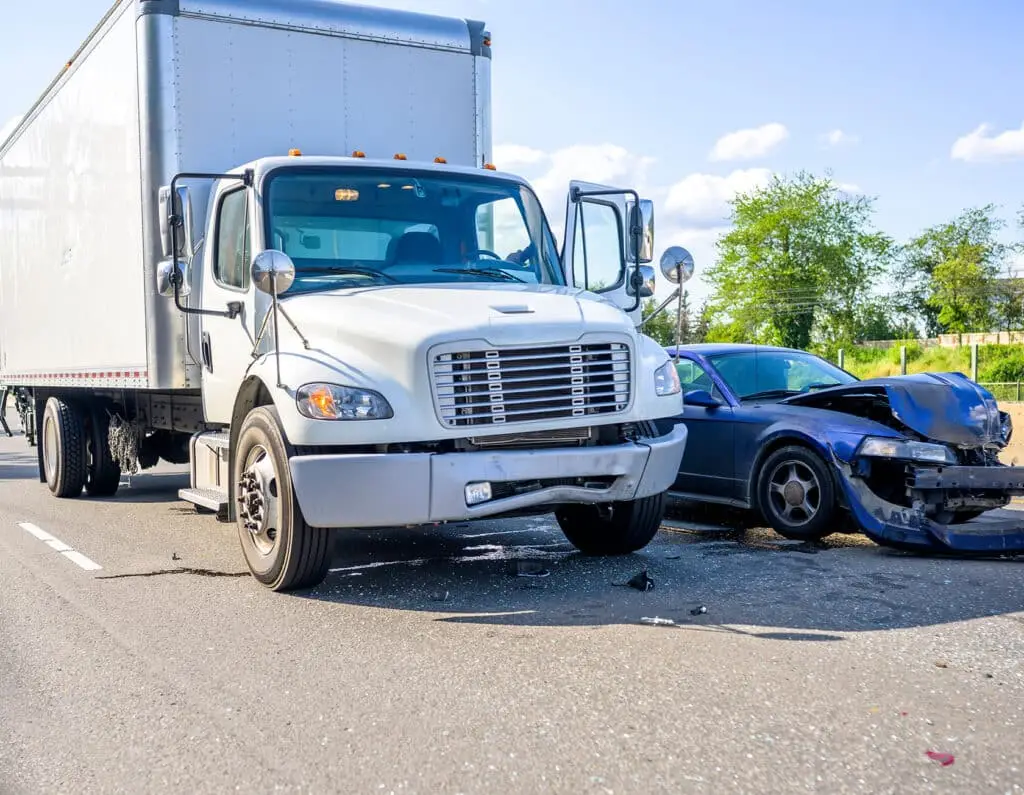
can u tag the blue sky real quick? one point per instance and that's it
(650, 98)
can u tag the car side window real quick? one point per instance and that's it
(231, 258)
(692, 376)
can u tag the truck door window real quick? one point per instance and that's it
(231, 259)
(501, 228)
(597, 259)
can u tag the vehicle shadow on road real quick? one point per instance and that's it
(19, 466)
(523, 572)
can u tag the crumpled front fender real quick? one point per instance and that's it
(995, 532)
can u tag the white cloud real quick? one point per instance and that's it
(849, 187)
(509, 157)
(702, 200)
(839, 138)
(551, 173)
(748, 144)
(8, 128)
(981, 145)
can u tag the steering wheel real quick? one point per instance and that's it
(489, 253)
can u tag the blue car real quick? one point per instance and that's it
(912, 460)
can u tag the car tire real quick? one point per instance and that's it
(281, 550)
(796, 494)
(619, 528)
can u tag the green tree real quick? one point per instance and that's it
(797, 265)
(949, 273)
(662, 327)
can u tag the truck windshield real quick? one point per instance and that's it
(349, 227)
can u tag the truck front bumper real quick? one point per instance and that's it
(389, 490)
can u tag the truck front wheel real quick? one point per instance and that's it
(616, 529)
(63, 447)
(282, 551)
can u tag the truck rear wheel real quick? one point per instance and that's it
(103, 473)
(282, 551)
(63, 448)
(616, 529)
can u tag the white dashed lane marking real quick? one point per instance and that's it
(54, 543)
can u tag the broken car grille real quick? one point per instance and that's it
(490, 387)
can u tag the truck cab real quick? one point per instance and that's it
(385, 342)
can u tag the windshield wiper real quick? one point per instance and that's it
(495, 273)
(350, 269)
(770, 393)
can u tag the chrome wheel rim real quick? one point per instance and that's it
(259, 506)
(794, 492)
(50, 449)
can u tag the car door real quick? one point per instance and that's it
(227, 342)
(708, 466)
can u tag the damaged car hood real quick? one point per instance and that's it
(944, 407)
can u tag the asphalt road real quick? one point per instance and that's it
(427, 664)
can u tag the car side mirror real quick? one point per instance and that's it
(642, 281)
(701, 397)
(273, 272)
(165, 277)
(180, 211)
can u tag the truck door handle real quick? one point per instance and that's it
(207, 352)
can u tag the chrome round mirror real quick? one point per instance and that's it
(273, 272)
(677, 264)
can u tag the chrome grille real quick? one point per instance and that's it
(490, 387)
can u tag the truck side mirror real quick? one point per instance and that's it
(181, 209)
(641, 217)
(642, 281)
(164, 278)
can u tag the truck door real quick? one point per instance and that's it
(596, 253)
(227, 343)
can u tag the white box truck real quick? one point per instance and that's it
(265, 238)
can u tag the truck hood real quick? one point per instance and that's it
(943, 407)
(409, 315)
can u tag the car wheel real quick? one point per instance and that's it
(796, 494)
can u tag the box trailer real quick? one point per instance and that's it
(266, 238)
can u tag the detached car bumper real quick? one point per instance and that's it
(998, 531)
(393, 489)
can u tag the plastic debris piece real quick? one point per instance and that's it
(641, 582)
(699, 610)
(657, 622)
(941, 664)
(943, 759)
(530, 568)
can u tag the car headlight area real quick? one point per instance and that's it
(666, 380)
(905, 450)
(320, 401)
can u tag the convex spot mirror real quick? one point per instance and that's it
(273, 272)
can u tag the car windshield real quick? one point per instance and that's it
(349, 227)
(754, 375)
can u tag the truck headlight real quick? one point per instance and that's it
(906, 450)
(333, 402)
(666, 380)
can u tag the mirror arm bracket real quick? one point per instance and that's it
(176, 220)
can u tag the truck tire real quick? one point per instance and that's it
(616, 529)
(63, 448)
(103, 473)
(282, 551)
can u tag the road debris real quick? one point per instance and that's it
(941, 664)
(699, 610)
(641, 582)
(943, 759)
(657, 622)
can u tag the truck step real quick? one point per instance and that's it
(212, 499)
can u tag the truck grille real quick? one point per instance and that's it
(490, 387)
